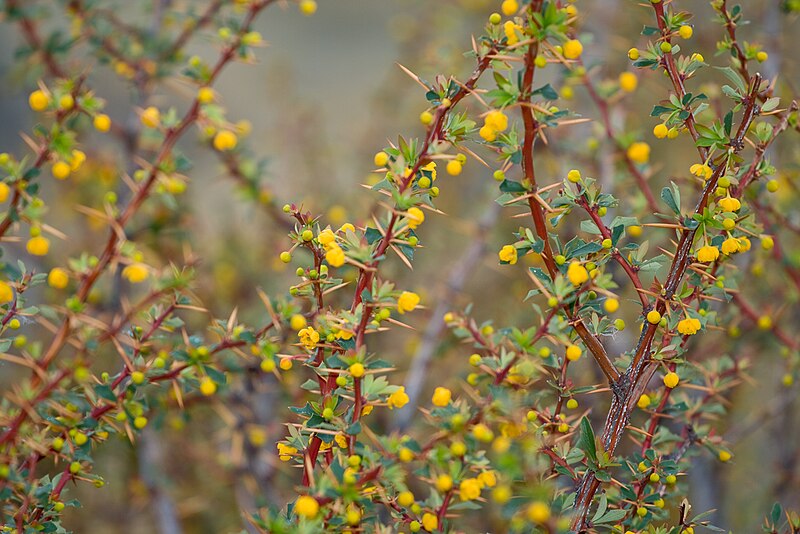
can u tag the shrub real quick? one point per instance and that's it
(112, 339)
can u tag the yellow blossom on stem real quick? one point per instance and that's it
(441, 397)
(407, 301)
(430, 522)
(573, 353)
(508, 254)
(306, 506)
(729, 204)
(707, 254)
(335, 256)
(58, 278)
(510, 29)
(689, 326)
(577, 273)
(225, 140)
(6, 293)
(628, 82)
(151, 117)
(309, 337)
(671, 379)
(415, 217)
(731, 246)
(135, 273)
(538, 512)
(398, 399)
(38, 246)
(639, 152)
(207, 386)
(38, 100)
(469, 489)
(101, 122)
(573, 49)
(509, 7)
(702, 170)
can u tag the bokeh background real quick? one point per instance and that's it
(324, 95)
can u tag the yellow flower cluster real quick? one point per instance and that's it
(689, 326)
(495, 122)
(407, 301)
(398, 399)
(309, 337)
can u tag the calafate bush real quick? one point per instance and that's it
(645, 239)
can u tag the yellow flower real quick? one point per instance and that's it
(573, 353)
(611, 305)
(431, 167)
(398, 399)
(441, 397)
(724, 456)
(496, 120)
(327, 238)
(38, 100)
(510, 29)
(689, 326)
(643, 402)
(660, 130)
(407, 301)
(78, 157)
(671, 379)
(639, 152)
(509, 7)
(381, 159)
(308, 7)
(405, 498)
(309, 337)
(58, 278)
(762, 56)
(628, 82)
(151, 117)
(225, 140)
(415, 217)
(135, 273)
(488, 134)
(538, 512)
(488, 478)
(731, 246)
(430, 522)
(574, 176)
(482, 433)
(701, 170)
(6, 293)
(469, 489)
(729, 204)
(205, 95)
(508, 254)
(698, 57)
(102, 122)
(573, 49)
(357, 370)
(347, 227)
(454, 167)
(653, 317)
(38, 246)
(207, 387)
(306, 506)
(577, 273)
(685, 31)
(405, 455)
(707, 254)
(297, 322)
(444, 483)
(633, 54)
(61, 170)
(4, 191)
(335, 256)
(285, 452)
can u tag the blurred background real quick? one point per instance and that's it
(323, 96)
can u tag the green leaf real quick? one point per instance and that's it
(672, 198)
(586, 441)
